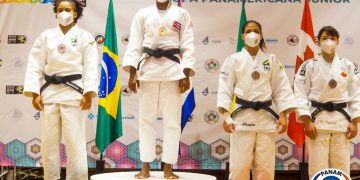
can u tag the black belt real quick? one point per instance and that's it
(329, 106)
(158, 53)
(255, 106)
(63, 80)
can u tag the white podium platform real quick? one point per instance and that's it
(155, 175)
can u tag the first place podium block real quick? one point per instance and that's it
(155, 175)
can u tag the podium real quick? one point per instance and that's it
(155, 175)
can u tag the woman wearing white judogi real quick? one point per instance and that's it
(62, 77)
(261, 87)
(327, 91)
(160, 59)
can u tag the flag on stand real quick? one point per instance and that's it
(240, 43)
(109, 123)
(306, 51)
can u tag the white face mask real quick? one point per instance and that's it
(65, 18)
(328, 46)
(252, 39)
(161, 1)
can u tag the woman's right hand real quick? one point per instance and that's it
(37, 102)
(309, 126)
(228, 123)
(133, 83)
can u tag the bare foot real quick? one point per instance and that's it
(168, 173)
(144, 173)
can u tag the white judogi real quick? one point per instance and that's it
(253, 143)
(62, 111)
(159, 76)
(330, 149)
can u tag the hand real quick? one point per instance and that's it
(310, 129)
(352, 130)
(184, 84)
(228, 123)
(229, 128)
(37, 102)
(133, 83)
(85, 102)
(282, 123)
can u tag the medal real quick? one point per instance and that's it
(162, 31)
(332, 83)
(255, 75)
(61, 48)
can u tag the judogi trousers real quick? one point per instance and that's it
(163, 96)
(58, 119)
(252, 150)
(328, 150)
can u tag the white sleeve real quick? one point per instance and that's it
(301, 89)
(227, 82)
(354, 92)
(282, 94)
(36, 66)
(90, 61)
(187, 47)
(134, 48)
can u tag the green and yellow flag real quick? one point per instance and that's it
(243, 20)
(109, 123)
(240, 43)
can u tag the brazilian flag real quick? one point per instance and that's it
(243, 20)
(109, 123)
(240, 44)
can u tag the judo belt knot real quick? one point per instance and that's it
(67, 80)
(54, 79)
(158, 53)
(255, 105)
(329, 106)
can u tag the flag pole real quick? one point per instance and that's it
(303, 166)
(100, 164)
(109, 121)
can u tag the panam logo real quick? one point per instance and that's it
(331, 174)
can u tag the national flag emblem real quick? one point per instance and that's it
(306, 51)
(176, 26)
(343, 74)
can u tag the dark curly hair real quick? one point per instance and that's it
(79, 7)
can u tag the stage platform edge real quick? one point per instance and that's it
(155, 175)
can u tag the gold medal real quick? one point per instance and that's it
(332, 83)
(61, 48)
(255, 75)
(162, 31)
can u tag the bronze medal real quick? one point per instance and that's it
(61, 48)
(255, 75)
(332, 83)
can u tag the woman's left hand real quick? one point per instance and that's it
(184, 85)
(352, 130)
(85, 103)
(282, 123)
